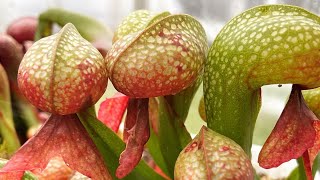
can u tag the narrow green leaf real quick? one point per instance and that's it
(88, 27)
(301, 170)
(294, 175)
(26, 111)
(172, 135)
(10, 142)
(256, 176)
(181, 102)
(154, 149)
(315, 166)
(111, 146)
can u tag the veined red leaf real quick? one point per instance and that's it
(131, 118)
(310, 155)
(111, 146)
(112, 109)
(138, 136)
(292, 135)
(313, 152)
(154, 114)
(60, 136)
(307, 165)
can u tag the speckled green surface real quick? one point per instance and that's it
(265, 45)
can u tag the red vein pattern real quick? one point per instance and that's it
(296, 134)
(60, 136)
(138, 136)
(112, 109)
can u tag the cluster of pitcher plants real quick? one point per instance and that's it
(51, 81)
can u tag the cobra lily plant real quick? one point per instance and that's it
(62, 135)
(156, 62)
(272, 44)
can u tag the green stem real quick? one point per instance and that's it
(179, 106)
(181, 102)
(173, 135)
(44, 29)
(89, 28)
(27, 112)
(239, 123)
(169, 139)
(10, 139)
(302, 172)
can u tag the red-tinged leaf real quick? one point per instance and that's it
(60, 136)
(307, 165)
(112, 109)
(159, 171)
(138, 137)
(154, 114)
(313, 152)
(292, 135)
(310, 155)
(131, 118)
